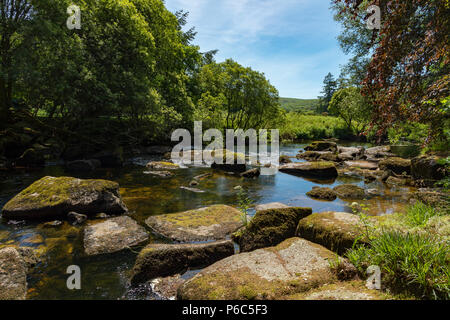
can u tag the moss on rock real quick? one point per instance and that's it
(319, 169)
(52, 197)
(270, 227)
(349, 191)
(322, 194)
(396, 165)
(336, 231)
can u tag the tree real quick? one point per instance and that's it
(329, 87)
(408, 76)
(13, 17)
(352, 107)
(237, 97)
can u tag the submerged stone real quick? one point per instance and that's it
(161, 260)
(270, 227)
(209, 223)
(113, 235)
(52, 197)
(293, 266)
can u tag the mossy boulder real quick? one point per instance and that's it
(284, 159)
(336, 231)
(378, 153)
(13, 275)
(113, 235)
(52, 197)
(322, 146)
(318, 155)
(396, 165)
(209, 223)
(295, 265)
(252, 173)
(320, 169)
(349, 191)
(427, 168)
(161, 260)
(162, 165)
(322, 194)
(270, 227)
(434, 198)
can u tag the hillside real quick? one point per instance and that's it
(299, 105)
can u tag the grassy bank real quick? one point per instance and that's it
(308, 127)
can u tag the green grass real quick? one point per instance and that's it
(308, 127)
(306, 106)
(413, 259)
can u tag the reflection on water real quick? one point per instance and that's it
(105, 277)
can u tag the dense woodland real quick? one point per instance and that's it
(132, 74)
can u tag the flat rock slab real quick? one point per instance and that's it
(321, 169)
(351, 290)
(336, 231)
(13, 275)
(363, 164)
(161, 260)
(113, 235)
(295, 265)
(209, 223)
(52, 197)
(272, 205)
(270, 227)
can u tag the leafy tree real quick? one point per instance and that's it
(407, 77)
(352, 107)
(329, 87)
(237, 97)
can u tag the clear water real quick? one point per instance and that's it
(105, 277)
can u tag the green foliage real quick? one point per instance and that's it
(244, 204)
(303, 106)
(419, 214)
(445, 182)
(352, 107)
(329, 88)
(409, 131)
(419, 263)
(308, 127)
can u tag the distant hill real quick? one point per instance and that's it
(299, 105)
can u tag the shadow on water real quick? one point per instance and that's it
(105, 277)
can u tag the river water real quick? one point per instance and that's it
(105, 277)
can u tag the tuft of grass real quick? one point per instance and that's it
(419, 214)
(245, 203)
(417, 263)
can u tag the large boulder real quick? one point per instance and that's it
(434, 198)
(13, 275)
(293, 266)
(336, 231)
(427, 168)
(349, 191)
(209, 223)
(162, 165)
(322, 194)
(52, 197)
(318, 155)
(113, 235)
(353, 152)
(378, 153)
(396, 165)
(322, 146)
(162, 260)
(320, 170)
(270, 227)
(361, 164)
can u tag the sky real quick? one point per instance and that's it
(293, 42)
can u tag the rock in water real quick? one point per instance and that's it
(252, 173)
(428, 168)
(322, 194)
(349, 191)
(322, 146)
(113, 235)
(83, 165)
(210, 223)
(162, 165)
(13, 275)
(396, 165)
(272, 205)
(295, 265)
(161, 260)
(321, 170)
(52, 197)
(270, 227)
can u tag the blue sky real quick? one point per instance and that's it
(292, 41)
